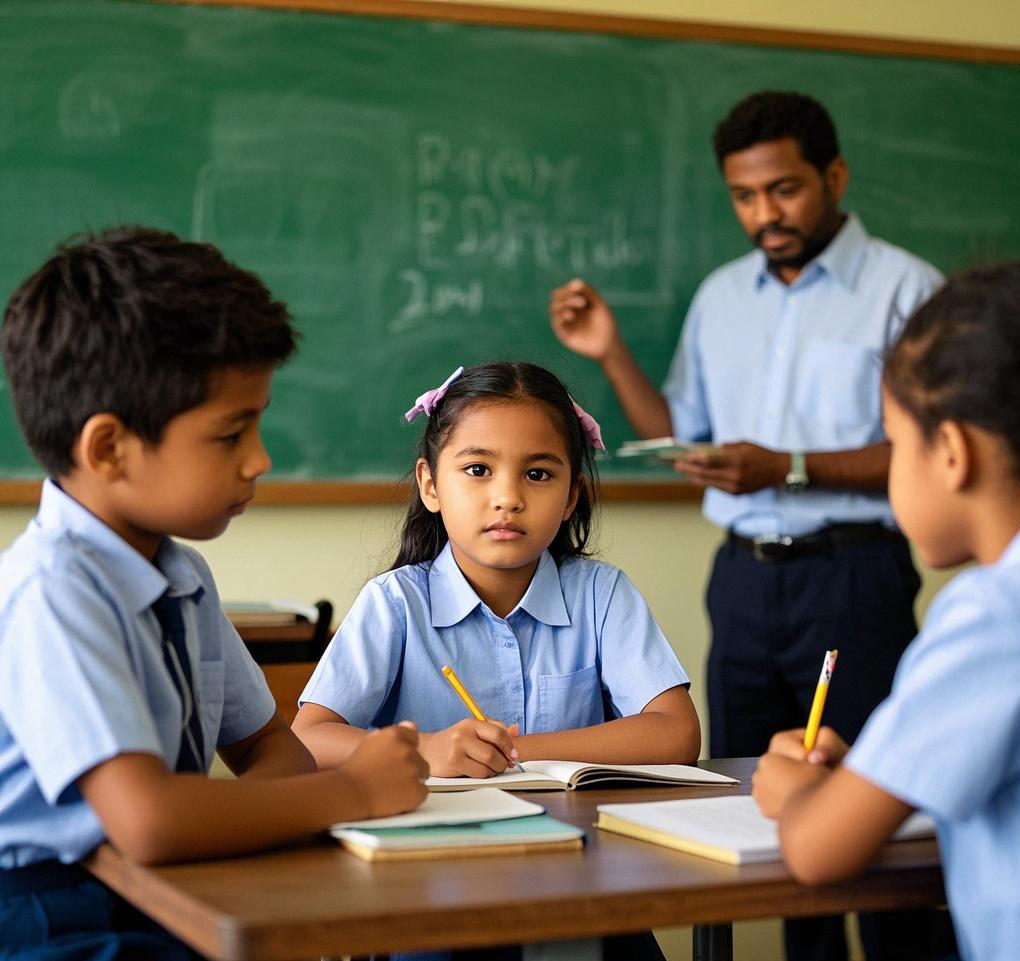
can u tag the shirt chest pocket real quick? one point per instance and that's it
(569, 700)
(838, 385)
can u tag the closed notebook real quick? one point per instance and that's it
(730, 829)
(459, 825)
(665, 448)
(569, 775)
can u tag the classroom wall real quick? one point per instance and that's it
(983, 22)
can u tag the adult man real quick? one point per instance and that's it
(779, 365)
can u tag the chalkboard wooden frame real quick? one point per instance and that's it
(346, 492)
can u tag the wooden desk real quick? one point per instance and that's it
(315, 900)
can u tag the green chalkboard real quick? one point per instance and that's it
(413, 189)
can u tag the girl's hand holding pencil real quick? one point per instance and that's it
(470, 748)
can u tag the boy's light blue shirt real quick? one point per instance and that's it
(82, 675)
(795, 367)
(947, 741)
(579, 630)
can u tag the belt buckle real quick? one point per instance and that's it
(771, 547)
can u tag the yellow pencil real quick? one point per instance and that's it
(818, 705)
(462, 691)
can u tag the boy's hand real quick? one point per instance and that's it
(387, 771)
(829, 747)
(471, 748)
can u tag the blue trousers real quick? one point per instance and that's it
(58, 912)
(772, 622)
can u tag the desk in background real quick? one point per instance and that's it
(287, 653)
(316, 900)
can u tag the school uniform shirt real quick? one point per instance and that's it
(795, 367)
(947, 741)
(82, 675)
(581, 630)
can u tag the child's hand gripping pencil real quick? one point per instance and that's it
(476, 712)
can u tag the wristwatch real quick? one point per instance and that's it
(796, 477)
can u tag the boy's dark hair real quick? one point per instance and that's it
(133, 322)
(958, 357)
(775, 115)
(424, 535)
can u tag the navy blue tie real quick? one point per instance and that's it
(175, 653)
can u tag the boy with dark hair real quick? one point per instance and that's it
(140, 366)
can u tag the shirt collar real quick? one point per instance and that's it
(452, 598)
(841, 259)
(139, 581)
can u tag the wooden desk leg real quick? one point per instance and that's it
(713, 942)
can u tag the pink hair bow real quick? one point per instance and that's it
(589, 426)
(426, 403)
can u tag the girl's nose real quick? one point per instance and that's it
(507, 496)
(257, 462)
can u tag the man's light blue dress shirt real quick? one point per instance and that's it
(947, 741)
(581, 630)
(795, 367)
(82, 675)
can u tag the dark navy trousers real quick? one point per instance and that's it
(58, 912)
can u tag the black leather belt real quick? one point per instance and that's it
(782, 547)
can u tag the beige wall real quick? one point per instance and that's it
(983, 22)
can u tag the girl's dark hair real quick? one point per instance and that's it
(958, 357)
(424, 534)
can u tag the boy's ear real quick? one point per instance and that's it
(102, 446)
(426, 485)
(955, 459)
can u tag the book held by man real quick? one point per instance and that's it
(570, 775)
(730, 829)
(460, 825)
(665, 448)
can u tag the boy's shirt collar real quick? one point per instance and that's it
(452, 598)
(140, 581)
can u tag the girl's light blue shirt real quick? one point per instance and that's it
(82, 675)
(581, 647)
(947, 741)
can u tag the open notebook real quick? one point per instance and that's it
(459, 825)
(568, 775)
(730, 829)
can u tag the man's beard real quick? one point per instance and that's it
(811, 245)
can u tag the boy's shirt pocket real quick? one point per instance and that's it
(569, 700)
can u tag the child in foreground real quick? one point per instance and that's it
(947, 740)
(140, 366)
(560, 652)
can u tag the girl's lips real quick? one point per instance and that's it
(504, 532)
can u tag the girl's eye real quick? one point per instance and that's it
(231, 439)
(538, 474)
(476, 470)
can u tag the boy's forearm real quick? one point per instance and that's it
(273, 751)
(154, 815)
(330, 743)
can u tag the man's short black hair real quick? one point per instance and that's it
(775, 115)
(132, 322)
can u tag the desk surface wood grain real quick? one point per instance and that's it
(316, 900)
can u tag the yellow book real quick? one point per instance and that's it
(730, 829)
